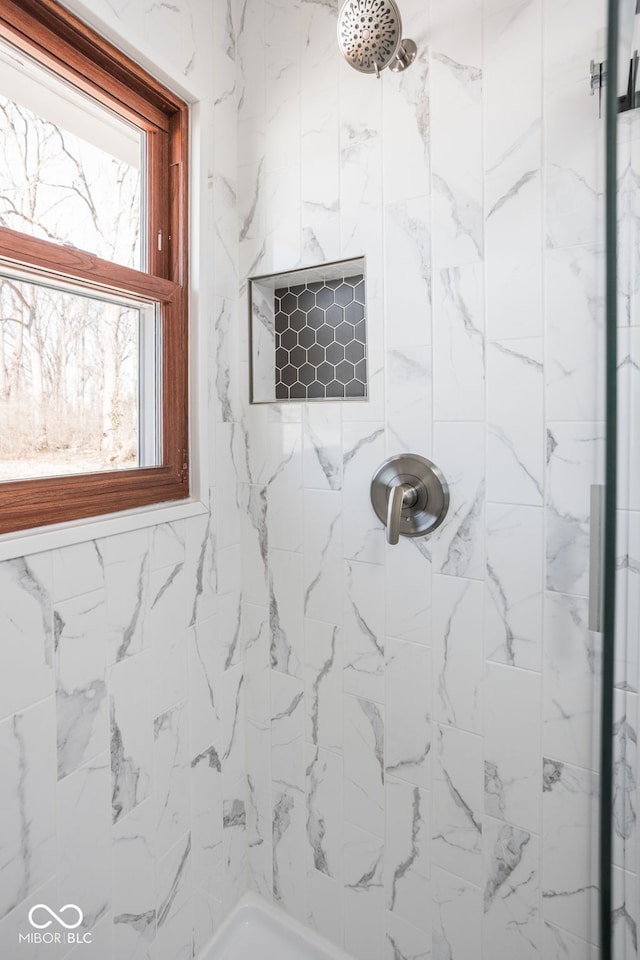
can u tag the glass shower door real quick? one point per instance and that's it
(619, 840)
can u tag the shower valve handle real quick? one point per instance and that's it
(400, 495)
(409, 496)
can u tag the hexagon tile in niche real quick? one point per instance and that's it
(321, 346)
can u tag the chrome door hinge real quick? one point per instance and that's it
(184, 470)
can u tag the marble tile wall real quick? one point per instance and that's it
(422, 747)
(122, 736)
(396, 744)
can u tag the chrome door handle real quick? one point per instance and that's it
(400, 495)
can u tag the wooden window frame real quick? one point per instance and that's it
(60, 41)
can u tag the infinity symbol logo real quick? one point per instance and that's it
(56, 916)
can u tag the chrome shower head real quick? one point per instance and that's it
(370, 36)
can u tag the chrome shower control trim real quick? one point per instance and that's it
(410, 496)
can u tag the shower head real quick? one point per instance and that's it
(370, 36)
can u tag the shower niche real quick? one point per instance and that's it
(308, 334)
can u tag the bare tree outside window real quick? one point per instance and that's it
(94, 276)
(68, 362)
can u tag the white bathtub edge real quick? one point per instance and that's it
(252, 906)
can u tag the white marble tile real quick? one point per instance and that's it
(206, 814)
(253, 524)
(126, 591)
(573, 131)
(407, 249)
(323, 800)
(232, 728)
(174, 940)
(515, 455)
(571, 682)
(569, 855)
(166, 623)
(409, 399)
(325, 906)
(284, 487)
(207, 917)
(404, 941)
(287, 734)
(83, 816)
(166, 545)
(456, 178)
(361, 140)
(134, 877)
(456, 77)
(628, 406)
(363, 446)
(408, 675)
(512, 746)
(26, 627)
(206, 663)
(511, 925)
(16, 923)
(514, 588)
(408, 589)
(223, 346)
(364, 897)
(575, 333)
(257, 656)
(625, 913)
(235, 876)
(364, 764)
(458, 660)
(322, 446)
(286, 612)
(263, 344)
(319, 67)
(319, 147)
(625, 781)
(81, 694)
(557, 944)
(321, 241)
(323, 567)
(405, 105)
(171, 790)
(27, 799)
(363, 630)
(458, 546)
(459, 343)
(227, 505)
(228, 638)
(259, 807)
(407, 853)
(456, 826)
(102, 941)
(77, 569)
(131, 733)
(323, 685)
(575, 458)
(457, 917)
(201, 566)
(288, 839)
(512, 106)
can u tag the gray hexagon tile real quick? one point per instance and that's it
(321, 348)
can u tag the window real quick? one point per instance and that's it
(93, 275)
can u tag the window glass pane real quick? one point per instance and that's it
(79, 390)
(70, 170)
